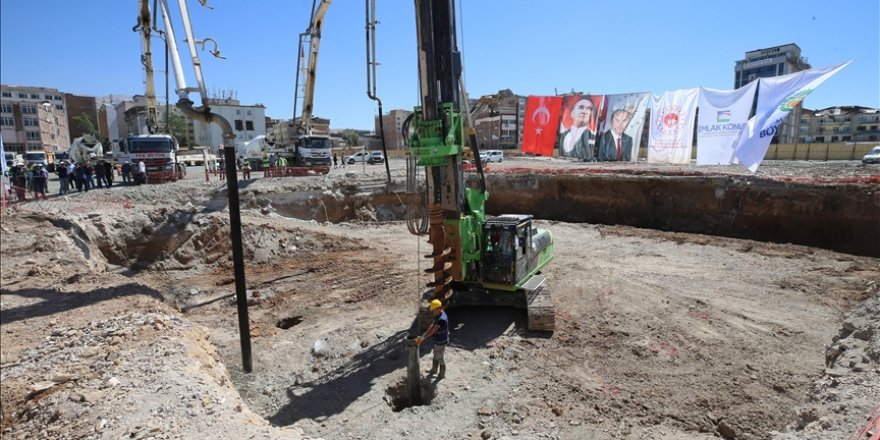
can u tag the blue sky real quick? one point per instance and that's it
(531, 47)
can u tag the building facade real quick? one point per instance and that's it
(769, 62)
(392, 124)
(79, 107)
(248, 122)
(33, 118)
(498, 120)
(839, 124)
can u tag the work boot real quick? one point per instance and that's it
(434, 366)
(442, 372)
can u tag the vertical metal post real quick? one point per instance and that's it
(238, 257)
(413, 374)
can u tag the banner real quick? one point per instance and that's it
(776, 97)
(540, 125)
(577, 129)
(671, 136)
(723, 114)
(622, 127)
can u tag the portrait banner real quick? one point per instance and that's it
(541, 124)
(723, 114)
(621, 130)
(776, 97)
(671, 135)
(578, 126)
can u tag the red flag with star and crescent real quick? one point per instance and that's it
(541, 124)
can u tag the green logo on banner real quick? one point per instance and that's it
(794, 100)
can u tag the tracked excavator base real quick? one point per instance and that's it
(534, 296)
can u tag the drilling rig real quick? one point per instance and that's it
(476, 259)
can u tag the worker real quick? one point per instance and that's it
(440, 331)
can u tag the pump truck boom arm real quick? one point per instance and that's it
(145, 28)
(313, 33)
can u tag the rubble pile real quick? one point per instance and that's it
(137, 376)
(850, 386)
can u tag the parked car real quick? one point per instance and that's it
(376, 157)
(492, 156)
(873, 156)
(360, 156)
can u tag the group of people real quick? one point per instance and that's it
(80, 176)
(34, 178)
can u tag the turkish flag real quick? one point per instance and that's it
(541, 124)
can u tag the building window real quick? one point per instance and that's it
(47, 96)
(238, 111)
(820, 138)
(249, 125)
(22, 95)
(239, 126)
(873, 128)
(861, 128)
(6, 108)
(59, 106)
(248, 112)
(32, 135)
(58, 97)
(846, 138)
(834, 138)
(35, 96)
(7, 120)
(29, 110)
(7, 95)
(30, 122)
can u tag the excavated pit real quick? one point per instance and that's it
(840, 217)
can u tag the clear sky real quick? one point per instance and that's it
(531, 47)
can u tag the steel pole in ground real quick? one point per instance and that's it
(413, 375)
(238, 256)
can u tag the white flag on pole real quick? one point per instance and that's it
(671, 136)
(776, 97)
(723, 114)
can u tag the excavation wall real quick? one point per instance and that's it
(842, 217)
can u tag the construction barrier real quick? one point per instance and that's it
(164, 176)
(296, 171)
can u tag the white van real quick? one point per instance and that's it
(492, 156)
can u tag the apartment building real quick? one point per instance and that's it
(33, 118)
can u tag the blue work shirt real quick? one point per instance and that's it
(441, 337)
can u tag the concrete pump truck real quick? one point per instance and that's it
(477, 259)
(156, 150)
(294, 139)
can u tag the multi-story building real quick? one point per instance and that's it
(33, 118)
(839, 124)
(769, 62)
(498, 120)
(77, 108)
(54, 131)
(248, 122)
(392, 123)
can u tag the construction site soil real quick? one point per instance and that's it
(691, 303)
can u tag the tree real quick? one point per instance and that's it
(177, 127)
(351, 137)
(84, 124)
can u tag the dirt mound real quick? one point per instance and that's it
(133, 376)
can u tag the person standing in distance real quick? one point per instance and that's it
(440, 331)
